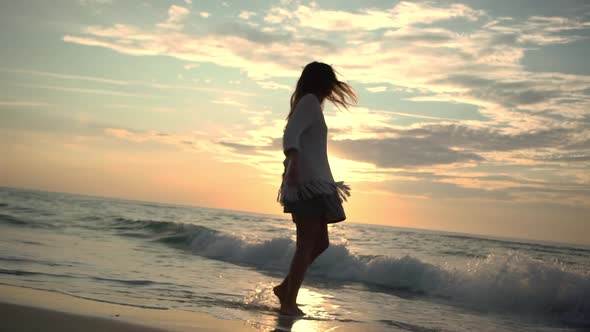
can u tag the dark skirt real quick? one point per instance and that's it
(325, 206)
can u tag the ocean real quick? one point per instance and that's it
(225, 263)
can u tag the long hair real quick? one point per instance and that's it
(320, 79)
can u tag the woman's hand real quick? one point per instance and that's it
(292, 173)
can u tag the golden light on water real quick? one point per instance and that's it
(318, 309)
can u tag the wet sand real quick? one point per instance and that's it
(24, 309)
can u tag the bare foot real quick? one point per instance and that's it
(280, 293)
(291, 310)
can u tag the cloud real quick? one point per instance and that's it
(176, 14)
(246, 14)
(90, 91)
(552, 193)
(402, 14)
(108, 81)
(515, 93)
(441, 190)
(92, 2)
(241, 148)
(142, 108)
(64, 76)
(483, 139)
(228, 102)
(80, 124)
(421, 36)
(22, 103)
(537, 30)
(270, 85)
(204, 14)
(401, 152)
(154, 136)
(190, 66)
(581, 157)
(219, 49)
(252, 34)
(375, 89)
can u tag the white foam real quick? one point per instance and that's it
(509, 283)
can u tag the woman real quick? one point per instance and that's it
(308, 190)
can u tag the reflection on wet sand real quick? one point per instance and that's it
(318, 314)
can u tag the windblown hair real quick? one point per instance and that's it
(320, 79)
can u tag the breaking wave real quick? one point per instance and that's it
(513, 283)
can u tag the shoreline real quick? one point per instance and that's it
(26, 309)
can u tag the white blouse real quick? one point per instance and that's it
(306, 132)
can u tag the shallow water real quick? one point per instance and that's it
(225, 263)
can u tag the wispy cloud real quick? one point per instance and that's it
(376, 89)
(183, 142)
(176, 14)
(190, 66)
(403, 14)
(271, 85)
(90, 91)
(229, 102)
(91, 2)
(65, 76)
(107, 81)
(142, 108)
(23, 104)
(246, 14)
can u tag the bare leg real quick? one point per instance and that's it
(307, 231)
(320, 244)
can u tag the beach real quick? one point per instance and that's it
(24, 309)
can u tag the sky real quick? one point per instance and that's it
(473, 116)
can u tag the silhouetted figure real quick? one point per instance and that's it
(308, 190)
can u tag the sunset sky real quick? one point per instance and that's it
(473, 116)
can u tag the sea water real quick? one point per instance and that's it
(225, 263)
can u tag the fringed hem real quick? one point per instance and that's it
(312, 188)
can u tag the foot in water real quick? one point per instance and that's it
(290, 310)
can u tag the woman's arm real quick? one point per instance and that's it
(292, 172)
